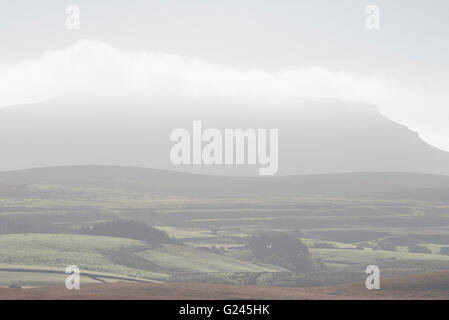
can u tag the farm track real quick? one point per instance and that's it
(86, 274)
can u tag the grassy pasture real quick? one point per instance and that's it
(221, 214)
(184, 259)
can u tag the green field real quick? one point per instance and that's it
(346, 226)
(105, 259)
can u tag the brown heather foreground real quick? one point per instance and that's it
(420, 286)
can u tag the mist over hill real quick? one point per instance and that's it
(315, 136)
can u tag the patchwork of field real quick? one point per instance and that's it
(399, 222)
(40, 259)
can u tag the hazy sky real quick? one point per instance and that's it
(319, 48)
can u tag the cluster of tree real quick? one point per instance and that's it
(283, 250)
(130, 229)
(323, 245)
(387, 246)
(444, 251)
(418, 249)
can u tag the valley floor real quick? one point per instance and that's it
(421, 286)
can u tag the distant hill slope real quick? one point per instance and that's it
(315, 136)
(164, 182)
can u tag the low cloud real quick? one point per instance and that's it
(93, 69)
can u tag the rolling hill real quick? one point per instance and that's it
(162, 182)
(348, 221)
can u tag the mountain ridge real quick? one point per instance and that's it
(315, 136)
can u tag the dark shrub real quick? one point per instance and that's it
(387, 246)
(418, 249)
(130, 229)
(282, 249)
(323, 245)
